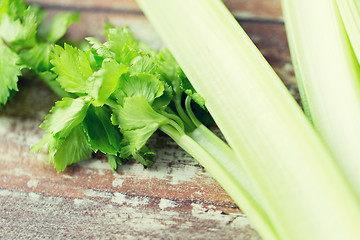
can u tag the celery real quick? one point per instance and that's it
(25, 43)
(306, 194)
(350, 14)
(125, 83)
(327, 70)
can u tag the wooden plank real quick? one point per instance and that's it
(34, 216)
(253, 9)
(90, 5)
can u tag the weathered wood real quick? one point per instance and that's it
(34, 216)
(250, 9)
(268, 10)
(174, 199)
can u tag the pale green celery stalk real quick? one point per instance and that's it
(350, 14)
(218, 161)
(223, 154)
(306, 195)
(326, 67)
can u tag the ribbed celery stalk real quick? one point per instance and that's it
(326, 67)
(224, 170)
(307, 196)
(350, 14)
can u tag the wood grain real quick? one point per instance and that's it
(174, 199)
(259, 9)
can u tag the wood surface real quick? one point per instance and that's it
(174, 199)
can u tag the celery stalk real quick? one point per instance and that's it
(306, 195)
(326, 67)
(350, 14)
(199, 145)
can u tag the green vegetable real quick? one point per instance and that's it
(127, 84)
(138, 90)
(276, 167)
(73, 68)
(328, 74)
(26, 42)
(10, 69)
(301, 192)
(350, 14)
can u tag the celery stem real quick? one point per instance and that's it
(190, 112)
(189, 125)
(224, 173)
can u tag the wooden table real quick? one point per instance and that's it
(174, 199)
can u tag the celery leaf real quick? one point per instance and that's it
(190, 90)
(69, 150)
(137, 121)
(100, 48)
(168, 70)
(104, 82)
(9, 72)
(73, 67)
(37, 58)
(102, 134)
(56, 29)
(19, 32)
(65, 115)
(118, 38)
(141, 84)
(144, 64)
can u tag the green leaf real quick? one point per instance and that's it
(144, 64)
(73, 67)
(37, 58)
(189, 90)
(100, 48)
(127, 55)
(168, 70)
(38, 146)
(19, 32)
(164, 100)
(9, 72)
(59, 24)
(4, 6)
(137, 139)
(141, 84)
(112, 161)
(122, 43)
(94, 59)
(137, 122)
(118, 38)
(65, 115)
(102, 134)
(115, 161)
(135, 113)
(39, 12)
(50, 79)
(72, 149)
(12, 7)
(104, 82)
